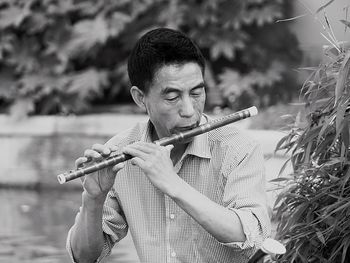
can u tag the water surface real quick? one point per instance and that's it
(34, 226)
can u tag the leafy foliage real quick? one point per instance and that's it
(59, 56)
(313, 207)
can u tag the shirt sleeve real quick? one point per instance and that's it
(245, 194)
(114, 227)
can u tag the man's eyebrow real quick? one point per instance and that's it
(200, 85)
(171, 89)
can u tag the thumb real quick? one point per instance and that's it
(118, 167)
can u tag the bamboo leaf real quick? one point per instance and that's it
(347, 23)
(279, 179)
(342, 77)
(309, 136)
(280, 143)
(284, 166)
(324, 6)
(321, 237)
(346, 244)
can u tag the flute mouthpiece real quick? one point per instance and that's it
(253, 111)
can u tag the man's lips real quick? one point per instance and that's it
(185, 128)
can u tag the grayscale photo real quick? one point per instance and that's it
(174, 131)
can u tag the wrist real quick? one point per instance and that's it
(92, 200)
(175, 189)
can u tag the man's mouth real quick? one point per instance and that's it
(185, 128)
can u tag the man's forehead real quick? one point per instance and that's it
(173, 76)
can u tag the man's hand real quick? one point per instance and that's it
(155, 162)
(99, 183)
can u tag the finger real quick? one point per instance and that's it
(118, 167)
(113, 148)
(148, 145)
(146, 148)
(102, 149)
(138, 162)
(135, 151)
(92, 154)
(80, 162)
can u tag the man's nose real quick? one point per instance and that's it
(187, 108)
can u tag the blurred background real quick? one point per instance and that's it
(64, 87)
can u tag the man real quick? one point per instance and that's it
(198, 201)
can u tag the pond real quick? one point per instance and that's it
(34, 226)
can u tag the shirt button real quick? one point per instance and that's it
(172, 216)
(173, 254)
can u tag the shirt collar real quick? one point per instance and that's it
(199, 146)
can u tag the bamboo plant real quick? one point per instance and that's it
(313, 207)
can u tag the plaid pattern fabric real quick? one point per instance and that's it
(222, 164)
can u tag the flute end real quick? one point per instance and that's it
(253, 111)
(61, 178)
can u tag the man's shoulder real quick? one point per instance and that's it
(229, 135)
(129, 135)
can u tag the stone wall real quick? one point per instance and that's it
(35, 150)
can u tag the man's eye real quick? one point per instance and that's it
(171, 98)
(197, 92)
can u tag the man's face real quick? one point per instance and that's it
(176, 97)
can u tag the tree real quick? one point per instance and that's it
(59, 56)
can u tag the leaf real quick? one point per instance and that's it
(12, 16)
(284, 166)
(346, 244)
(342, 77)
(326, 125)
(345, 133)
(308, 136)
(87, 84)
(345, 22)
(86, 35)
(281, 142)
(324, 6)
(33, 84)
(222, 47)
(23, 54)
(229, 82)
(7, 82)
(264, 15)
(117, 23)
(21, 108)
(36, 22)
(321, 237)
(279, 179)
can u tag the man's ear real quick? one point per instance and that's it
(138, 96)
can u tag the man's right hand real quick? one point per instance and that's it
(97, 184)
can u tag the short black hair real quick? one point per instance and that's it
(159, 47)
